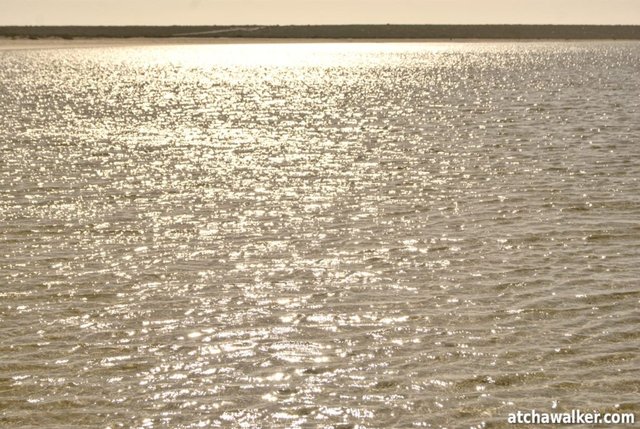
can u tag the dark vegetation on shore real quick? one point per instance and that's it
(335, 31)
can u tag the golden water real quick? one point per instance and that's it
(318, 235)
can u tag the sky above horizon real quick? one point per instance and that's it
(230, 12)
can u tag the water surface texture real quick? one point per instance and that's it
(361, 235)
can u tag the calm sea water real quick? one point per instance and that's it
(318, 235)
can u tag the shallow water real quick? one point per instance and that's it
(315, 235)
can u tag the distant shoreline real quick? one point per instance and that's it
(330, 32)
(10, 44)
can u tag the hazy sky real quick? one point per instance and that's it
(163, 12)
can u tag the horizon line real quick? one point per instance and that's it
(321, 25)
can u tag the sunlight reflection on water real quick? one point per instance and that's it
(317, 234)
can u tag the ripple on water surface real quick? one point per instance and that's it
(318, 234)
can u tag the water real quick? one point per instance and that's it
(318, 234)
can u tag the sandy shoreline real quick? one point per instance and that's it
(55, 43)
(24, 44)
